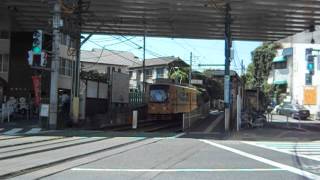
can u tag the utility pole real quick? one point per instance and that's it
(228, 45)
(55, 65)
(144, 63)
(242, 68)
(75, 99)
(190, 72)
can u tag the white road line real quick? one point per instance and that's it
(264, 160)
(175, 170)
(12, 131)
(281, 150)
(170, 137)
(33, 131)
(179, 135)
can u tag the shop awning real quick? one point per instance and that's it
(279, 59)
(280, 82)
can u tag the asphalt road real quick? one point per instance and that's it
(98, 155)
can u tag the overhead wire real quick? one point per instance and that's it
(114, 52)
(99, 58)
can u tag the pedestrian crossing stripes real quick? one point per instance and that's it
(19, 131)
(308, 150)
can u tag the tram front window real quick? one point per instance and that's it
(158, 94)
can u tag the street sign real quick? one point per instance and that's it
(310, 95)
(44, 110)
(197, 81)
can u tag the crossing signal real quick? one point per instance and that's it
(30, 57)
(44, 57)
(37, 42)
(310, 66)
(37, 60)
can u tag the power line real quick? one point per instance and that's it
(118, 54)
(122, 41)
(140, 47)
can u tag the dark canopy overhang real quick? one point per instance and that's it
(265, 20)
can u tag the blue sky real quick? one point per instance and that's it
(204, 51)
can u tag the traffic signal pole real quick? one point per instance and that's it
(55, 66)
(228, 45)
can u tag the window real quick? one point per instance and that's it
(66, 67)
(4, 63)
(149, 73)
(160, 72)
(62, 66)
(139, 75)
(159, 93)
(113, 69)
(119, 70)
(130, 74)
(280, 65)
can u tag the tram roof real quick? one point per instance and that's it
(263, 20)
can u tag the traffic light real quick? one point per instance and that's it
(310, 61)
(36, 60)
(37, 42)
(310, 66)
(44, 57)
(309, 51)
(30, 57)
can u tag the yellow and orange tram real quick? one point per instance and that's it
(167, 101)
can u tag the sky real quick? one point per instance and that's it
(204, 51)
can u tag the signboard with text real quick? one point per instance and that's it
(310, 95)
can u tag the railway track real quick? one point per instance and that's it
(149, 126)
(33, 159)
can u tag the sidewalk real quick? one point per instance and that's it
(280, 130)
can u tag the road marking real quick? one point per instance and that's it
(179, 135)
(214, 124)
(175, 170)
(12, 131)
(170, 137)
(293, 151)
(264, 160)
(33, 131)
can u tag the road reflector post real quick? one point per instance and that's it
(135, 119)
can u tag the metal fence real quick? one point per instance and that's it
(136, 98)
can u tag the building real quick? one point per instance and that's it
(156, 68)
(101, 96)
(106, 61)
(296, 70)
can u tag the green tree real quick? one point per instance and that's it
(258, 71)
(179, 74)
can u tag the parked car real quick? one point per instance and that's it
(294, 110)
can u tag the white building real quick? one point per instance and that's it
(156, 68)
(290, 70)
